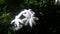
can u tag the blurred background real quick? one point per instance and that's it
(48, 12)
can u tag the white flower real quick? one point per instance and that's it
(29, 19)
(16, 23)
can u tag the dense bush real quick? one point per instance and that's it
(48, 13)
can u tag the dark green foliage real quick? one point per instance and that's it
(48, 13)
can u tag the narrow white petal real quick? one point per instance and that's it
(30, 23)
(33, 22)
(35, 18)
(24, 19)
(12, 21)
(27, 22)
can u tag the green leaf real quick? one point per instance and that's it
(9, 32)
(2, 1)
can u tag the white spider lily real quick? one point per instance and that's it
(29, 19)
(16, 21)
